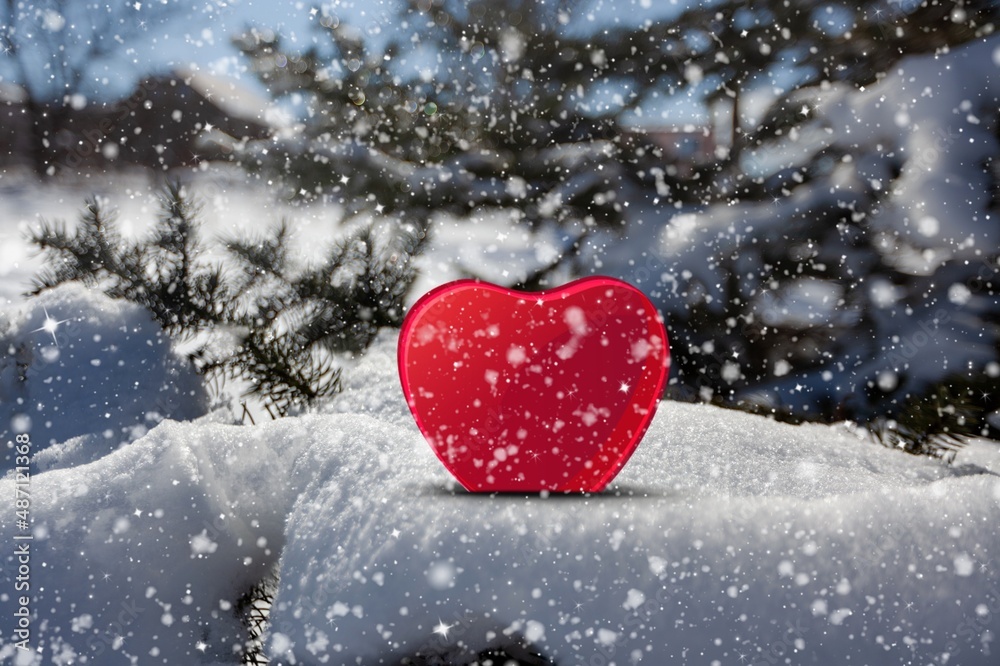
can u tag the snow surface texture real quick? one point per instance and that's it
(725, 535)
(77, 363)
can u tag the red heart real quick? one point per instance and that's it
(525, 392)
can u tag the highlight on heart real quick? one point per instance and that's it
(533, 391)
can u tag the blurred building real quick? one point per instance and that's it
(172, 120)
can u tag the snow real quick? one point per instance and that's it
(77, 363)
(726, 534)
(147, 548)
(924, 114)
(492, 248)
(725, 525)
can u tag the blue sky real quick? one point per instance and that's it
(197, 32)
(200, 32)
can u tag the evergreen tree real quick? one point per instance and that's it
(166, 274)
(839, 216)
(529, 108)
(517, 105)
(788, 45)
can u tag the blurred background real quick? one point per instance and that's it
(808, 190)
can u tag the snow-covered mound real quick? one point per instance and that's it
(143, 554)
(78, 363)
(727, 539)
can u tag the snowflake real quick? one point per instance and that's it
(50, 326)
(443, 629)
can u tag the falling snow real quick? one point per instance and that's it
(728, 538)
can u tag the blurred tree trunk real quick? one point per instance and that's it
(736, 146)
(46, 124)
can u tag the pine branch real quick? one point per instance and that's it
(361, 288)
(253, 610)
(290, 324)
(289, 375)
(263, 255)
(937, 423)
(90, 254)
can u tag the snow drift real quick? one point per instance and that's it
(727, 537)
(79, 363)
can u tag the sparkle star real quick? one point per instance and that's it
(395, 534)
(443, 629)
(201, 646)
(50, 326)
(624, 387)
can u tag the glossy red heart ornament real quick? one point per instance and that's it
(525, 392)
